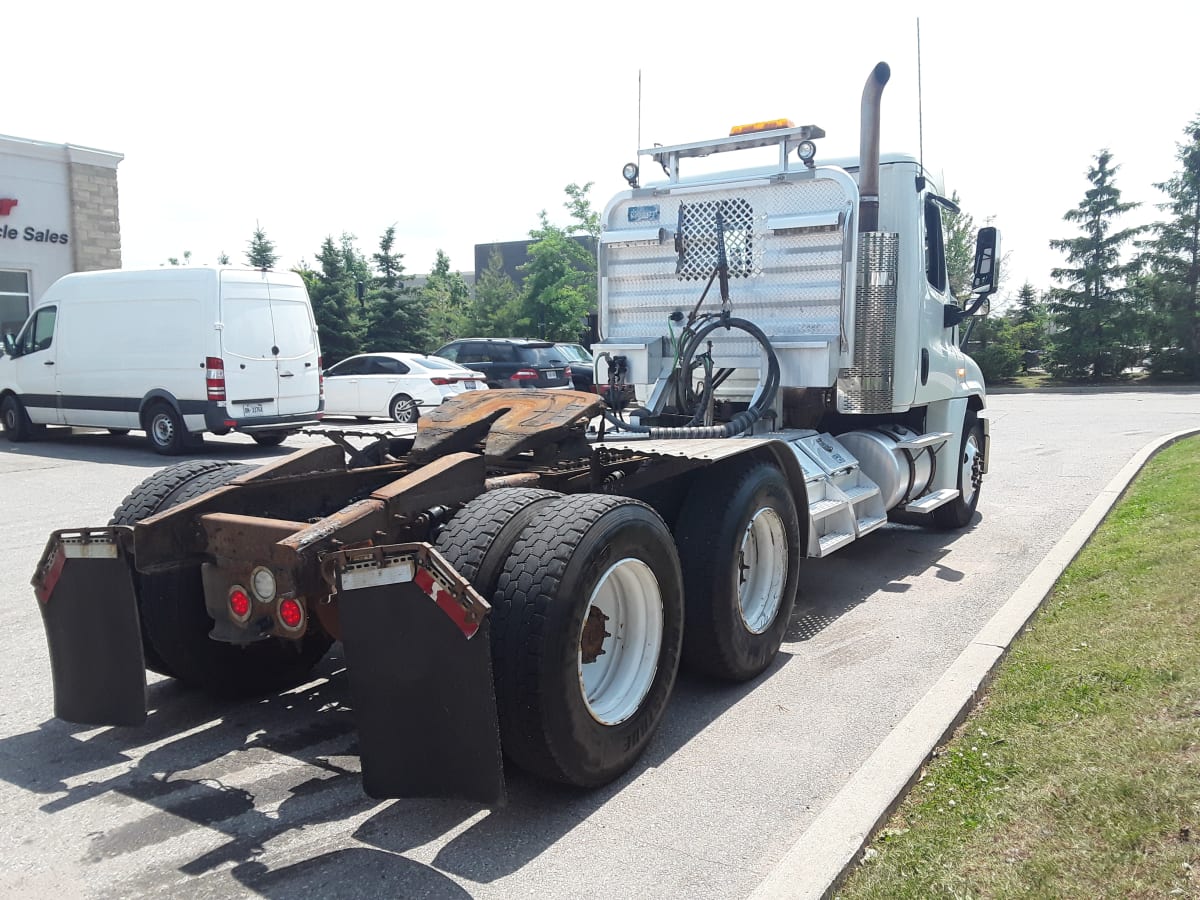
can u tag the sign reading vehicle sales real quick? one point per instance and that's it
(29, 232)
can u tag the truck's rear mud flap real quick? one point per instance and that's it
(420, 668)
(89, 608)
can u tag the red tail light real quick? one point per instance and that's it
(214, 377)
(239, 603)
(524, 375)
(567, 372)
(442, 381)
(291, 613)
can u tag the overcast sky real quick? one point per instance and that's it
(458, 122)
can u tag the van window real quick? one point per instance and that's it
(293, 328)
(248, 330)
(39, 332)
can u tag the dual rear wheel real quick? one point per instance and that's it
(588, 622)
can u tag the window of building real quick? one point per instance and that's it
(14, 301)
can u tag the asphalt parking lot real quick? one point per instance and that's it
(220, 800)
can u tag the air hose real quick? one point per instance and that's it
(740, 422)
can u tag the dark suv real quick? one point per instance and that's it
(511, 362)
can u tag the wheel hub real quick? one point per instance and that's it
(762, 570)
(620, 639)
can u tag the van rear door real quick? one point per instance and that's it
(296, 356)
(269, 346)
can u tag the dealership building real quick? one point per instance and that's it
(58, 214)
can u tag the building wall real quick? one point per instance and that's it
(58, 214)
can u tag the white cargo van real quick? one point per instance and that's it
(174, 352)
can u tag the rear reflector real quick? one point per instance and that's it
(214, 377)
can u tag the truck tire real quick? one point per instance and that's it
(577, 705)
(958, 512)
(738, 536)
(17, 427)
(156, 493)
(176, 624)
(166, 431)
(403, 409)
(478, 540)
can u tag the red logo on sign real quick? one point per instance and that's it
(6, 206)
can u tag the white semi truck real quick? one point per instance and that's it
(524, 576)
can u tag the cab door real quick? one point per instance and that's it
(34, 360)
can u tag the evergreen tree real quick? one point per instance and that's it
(446, 298)
(395, 318)
(497, 302)
(335, 306)
(1097, 319)
(261, 251)
(222, 258)
(1171, 286)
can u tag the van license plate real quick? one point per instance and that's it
(252, 409)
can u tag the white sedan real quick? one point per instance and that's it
(395, 385)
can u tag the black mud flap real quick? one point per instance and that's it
(89, 608)
(419, 662)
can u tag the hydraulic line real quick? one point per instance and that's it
(740, 422)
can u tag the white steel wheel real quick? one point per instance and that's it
(620, 641)
(763, 564)
(972, 468)
(738, 535)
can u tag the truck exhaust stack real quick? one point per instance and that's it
(868, 150)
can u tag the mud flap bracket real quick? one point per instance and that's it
(84, 587)
(419, 662)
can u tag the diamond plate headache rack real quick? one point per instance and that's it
(417, 563)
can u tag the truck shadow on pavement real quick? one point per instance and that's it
(204, 762)
(830, 588)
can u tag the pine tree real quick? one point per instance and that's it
(1094, 310)
(395, 317)
(1172, 282)
(261, 251)
(497, 301)
(332, 290)
(446, 298)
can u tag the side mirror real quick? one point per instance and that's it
(986, 277)
(10, 345)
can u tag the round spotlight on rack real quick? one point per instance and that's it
(631, 174)
(806, 150)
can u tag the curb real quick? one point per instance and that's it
(815, 864)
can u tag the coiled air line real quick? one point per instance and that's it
(740, 422)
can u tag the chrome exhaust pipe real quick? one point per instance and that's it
(868, 151)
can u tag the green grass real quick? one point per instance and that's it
(1079, 773)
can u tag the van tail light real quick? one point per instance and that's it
(524, 375)
(321, 376)
(214, 377)
(442, 381)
